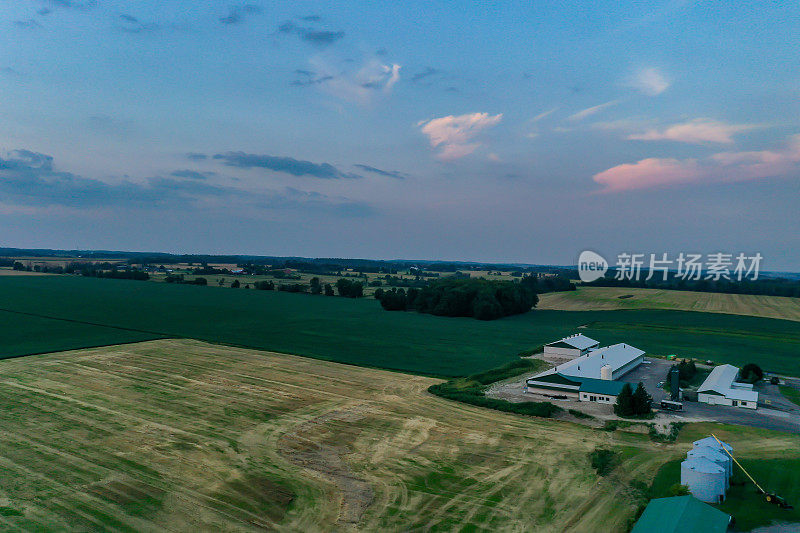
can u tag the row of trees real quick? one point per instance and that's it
(766, 286)
(479, 298)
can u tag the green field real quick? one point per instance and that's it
(25, 335)
(358, 331)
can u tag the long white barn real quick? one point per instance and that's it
(590, 377)
(721, 388)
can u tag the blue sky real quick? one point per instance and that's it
(435, 130)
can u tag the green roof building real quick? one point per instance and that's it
(681, 514)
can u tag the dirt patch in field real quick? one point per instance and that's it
(303, 448)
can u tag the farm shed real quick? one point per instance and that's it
(570, 347)
(681, 514)
(707, 481)
(721, 388)
(583, 389)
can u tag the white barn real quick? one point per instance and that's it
(570, 347)
(590, 377)
(721, 388)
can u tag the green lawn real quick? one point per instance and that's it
(359, 331)
(791, 394)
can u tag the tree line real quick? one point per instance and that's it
(477, 298)
(765, 286)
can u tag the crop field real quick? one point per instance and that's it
(775, 468)
(612, 298)
(181, 435)
(359, 332)
(24, 335)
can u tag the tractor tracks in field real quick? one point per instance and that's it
(302, 449)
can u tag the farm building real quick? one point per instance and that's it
(577, 388)
(681, 514)
(721, 388)
(707, 481)
(570, 347)
(590, 377)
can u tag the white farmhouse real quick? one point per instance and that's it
(721, 388)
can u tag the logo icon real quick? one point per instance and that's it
(591, 266)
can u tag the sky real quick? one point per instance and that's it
(526, 132)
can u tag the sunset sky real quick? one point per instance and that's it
(435, 130)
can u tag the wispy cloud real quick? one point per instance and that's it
(314, 36)
(697, 131)
(387, 173)
(454, 135)
(192, 174)
(306, 78)
(286, 165)
(30, 180)
(237, 14)
(719, 168)
(131, 24)
(70, 4)
(427, 72)
(589, 111)
(348, 80)
(544, 114)
(27, 23)
(650, 81)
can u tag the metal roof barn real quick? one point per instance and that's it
(578, 341)
(681, 514)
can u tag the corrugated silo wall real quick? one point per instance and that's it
(705, 487)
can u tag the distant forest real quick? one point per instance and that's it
(423, 268)
(765, 286)
(478, 298)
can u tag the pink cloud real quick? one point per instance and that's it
(454, 135)
(649, 173)
(720, 167)
(697, 131)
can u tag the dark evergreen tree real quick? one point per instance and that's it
(624, 405)
(642, 402)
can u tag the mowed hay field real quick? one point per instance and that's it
(178, 435)
(599, 298)
(360, 332)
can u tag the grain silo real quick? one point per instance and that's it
(723, 447)
(606, 372)
(715, 456)
(705, 479)
(711, 442)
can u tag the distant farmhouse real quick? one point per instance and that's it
(721, 388)
(592, 375)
